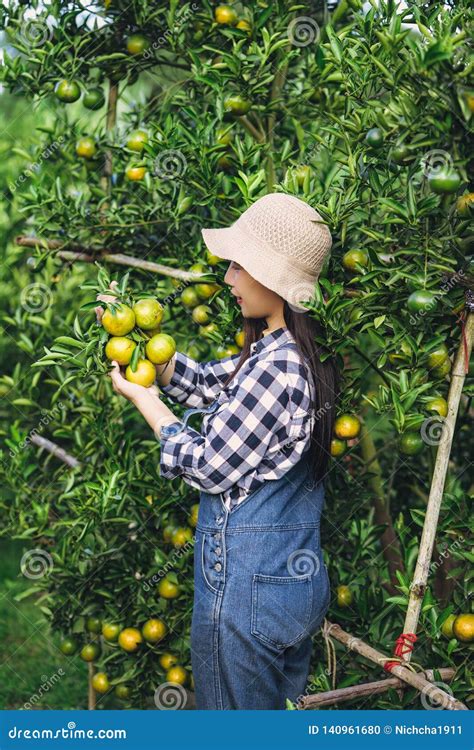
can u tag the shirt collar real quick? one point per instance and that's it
(271, 341)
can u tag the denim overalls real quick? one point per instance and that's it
(261, 590)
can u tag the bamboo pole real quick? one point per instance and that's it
(406, 674)
(56, 450)
(420, 577)
(367, 689)
(82, 254)
(91, 698)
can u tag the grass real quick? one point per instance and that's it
(32, 669)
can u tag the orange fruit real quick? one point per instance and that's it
(465, 204)
(167, 660)
(237, 105)
(110, 631)
(438, 357)
(344, 596)
(347, 426)
(90, 652)
(177, 675)
(439, 405)
(463, 628)
(189, 297)
(337, 447)
(148, 313)
(168, 589)
(120, 321)
(181, 536)
(93, 624)
(100, 682)
(120, 348)
(354, 258)
(137, 140)
(168, 532)
(411, 443)
(85, 147)
(135, 173)
(212, 259)
(145, 374)
(68, 646)
(154, 630)
(201, 314)
(224, 14)
(239, 339)
(67, 91)
(137, 44)
(160, 348)
(193, 516)
(123, 691)
(244, 25)
(130, 639)
(447, 626)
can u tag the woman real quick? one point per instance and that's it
(261, 586)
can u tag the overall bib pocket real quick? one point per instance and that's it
(281, 608)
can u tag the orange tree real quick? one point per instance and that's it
(152, 122)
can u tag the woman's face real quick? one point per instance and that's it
(255, 300)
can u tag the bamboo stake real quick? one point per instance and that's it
(56, 450)
(81, 254)
(414, 679)
(367, 689)
(420, 577)
(92, 698)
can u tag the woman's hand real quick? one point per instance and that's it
(99, 311)
(131, 391)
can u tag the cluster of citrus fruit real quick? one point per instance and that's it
(86, 148)
(130, 640)
(143, 319)
(460, 627)
(225, 15)
(194, 297)
(178, 535)
(346, 427)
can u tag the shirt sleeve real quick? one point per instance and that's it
(258, 413)
(196, 383)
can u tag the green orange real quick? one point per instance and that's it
(120, 321)
(411, 443)
(154, 630)
(148, 313)
(145, 373)
(130, 639)
(347, 426)
(120, 349)
(160, 348)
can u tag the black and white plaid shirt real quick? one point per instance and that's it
(260, 429)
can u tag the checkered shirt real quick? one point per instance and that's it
(260, 429)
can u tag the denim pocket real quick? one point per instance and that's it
(281, 608)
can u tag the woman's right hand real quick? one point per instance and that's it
(99, 311)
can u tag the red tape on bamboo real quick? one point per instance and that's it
(403, 645)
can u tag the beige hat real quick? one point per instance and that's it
(280, 241)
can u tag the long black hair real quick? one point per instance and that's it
(305, 329)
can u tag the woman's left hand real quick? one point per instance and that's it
(131, 391)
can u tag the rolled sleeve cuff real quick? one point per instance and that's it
(180, 384)
(175, 457)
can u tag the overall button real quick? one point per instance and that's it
(219, 520)
(218, 567)
(216, 536)
(218, 550)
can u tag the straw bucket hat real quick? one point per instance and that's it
(280, 241)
